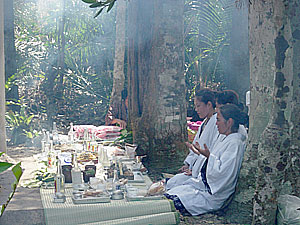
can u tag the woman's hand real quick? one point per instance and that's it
(188, 172)
(192, 147)
(204, 151)
(184, 168)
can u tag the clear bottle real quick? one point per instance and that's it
(47, 137)
(43, 141)
(76, 173)
(49, 151)
(71, 134)
(116, 178)
(59, 181)
(120, 168)
(49, 159)
(116, 185)
(105, 160)
(55, 136)
(100, 153)
(85, 134)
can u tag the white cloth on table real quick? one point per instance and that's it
(221, 174)
(208, 136)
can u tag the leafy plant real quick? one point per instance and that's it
(126, 137)
(102, 4)
(17, 171)
(20, 125)
(42, 177)
(69, 84)
(206, 38)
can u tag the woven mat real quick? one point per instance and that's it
(69, 213)
(157, 219)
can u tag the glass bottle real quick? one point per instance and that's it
(43, 141)
(100, 153)
(120, 168)
(59, 181)
(55, 136)
(47, 137)
(116, 180)
(85, 134)
(76, 173)
(49, 158)
(105, 160)
(71, 134)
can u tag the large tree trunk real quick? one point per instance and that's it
(271, 162)
(157, 87)
(278, 151)
(10, 49)
(261, 88)
(2, 82)
(118, 74)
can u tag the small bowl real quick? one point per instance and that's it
(117, 195)
(78, 196)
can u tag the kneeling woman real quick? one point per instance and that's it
(218, 177)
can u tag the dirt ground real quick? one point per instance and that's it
(25, 155)
(15, 155)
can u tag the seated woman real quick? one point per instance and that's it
(117, 114)
(218, 176)
(207, 134)
(231, 97)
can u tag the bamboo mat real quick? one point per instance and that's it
(115, 212)
(157, 219)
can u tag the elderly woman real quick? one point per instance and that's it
(219, 173)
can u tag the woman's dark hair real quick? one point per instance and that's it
(227, 96)
(232, 111)
(124, 94)
(206, 95)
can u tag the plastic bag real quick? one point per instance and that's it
(288, 210)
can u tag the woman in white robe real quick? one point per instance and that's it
(218, 176)
(207, 134)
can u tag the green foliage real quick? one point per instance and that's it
(77, 90)
(126, 137)
(17, 171)
(4, 166)
(206, 38)
(101, 4)
(42, 177)
(20, 125)
(67, 76)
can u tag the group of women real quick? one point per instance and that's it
(211, 169)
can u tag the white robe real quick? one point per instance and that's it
(222, 172)
(208, 136)
(200, 161)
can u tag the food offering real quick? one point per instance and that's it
(87, 157)
(137, 194)
(157, 188)
(90, 196)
